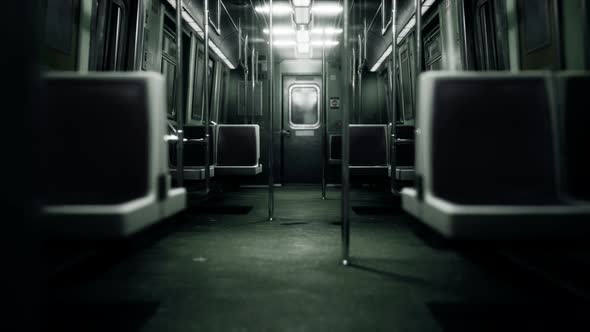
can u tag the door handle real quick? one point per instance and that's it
(285, 132)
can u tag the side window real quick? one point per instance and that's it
(485, 36)
(432, 50)
(198, 109)
(406, 81)
(116, 36)
(108, 48)
(169, 65)
(222, 92)
(211, 76)
(197, 112)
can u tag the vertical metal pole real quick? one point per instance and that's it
(560, 59)
(418, 49)
(585, 9)
(253, 94)
(359, 102)
(179, 95)
(323, 110)
(463, 34)
(345, 92)
(353, 109)
(392, 147)
(206, 92)
(246, 92)
(271, 198)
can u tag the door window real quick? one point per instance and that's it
(304, 106)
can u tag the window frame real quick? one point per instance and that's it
(171, 59)
(315, 125)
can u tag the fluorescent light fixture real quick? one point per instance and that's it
(280, 30)
(412, 22)
(302, 36)
(326, 9)
(220, 54)
(303, 48)
(332, 31)
(302, 15)
(327, 43)
(191, 22)
(301, 3)
(283, 43)
(382, 58)
(326, 31)
(277, 9)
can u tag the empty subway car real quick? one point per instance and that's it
(312, 165)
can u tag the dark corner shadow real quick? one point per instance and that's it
(120, 315)
(391, 206)
(494, 316)
(220, 209)
(294, 223)
(429, 237)
(389, 274)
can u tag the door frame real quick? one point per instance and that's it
(321, 105)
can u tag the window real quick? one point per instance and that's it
(210, 75)
(222, 94)
(115, 37)
(304, 106)
(197, 112)
(433, 52)
(406, 81)
(215, 15)
(108, 49)
(386, 19)
(485, 36)
(169, 69)
(535, 16)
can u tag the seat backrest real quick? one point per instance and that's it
(487, 138)
(101, 136)
(237, 145)
(368, 145)
(194, 153)
(574, 108)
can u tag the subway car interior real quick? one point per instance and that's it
(309, 165)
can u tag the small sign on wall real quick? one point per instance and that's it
(334, 102)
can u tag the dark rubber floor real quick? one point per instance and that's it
(225, 268)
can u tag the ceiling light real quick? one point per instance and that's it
(284, 43)
(326, 43)
(382, 58)
(326, 9)
(302, 36)
(326, 31)
(301, 3)
(280, 30)
(302, 15)
(277, 9)
(303, 48)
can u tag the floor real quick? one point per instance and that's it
(224, 267)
